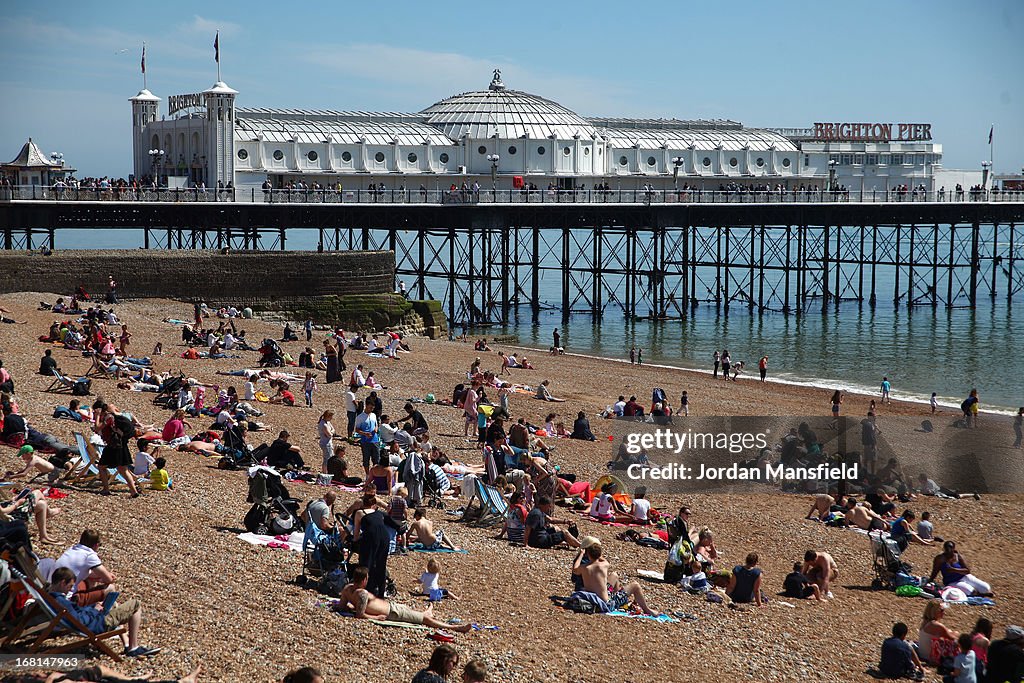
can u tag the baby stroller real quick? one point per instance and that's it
(273, 510)
(325, 560)
(432, 489)
(888, 562)
(167, 394)
(235, 453)
(272, 354)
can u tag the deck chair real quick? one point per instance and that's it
(61, 384)
(493, 506)
(88, 469)
(99, 369)
(56, 622)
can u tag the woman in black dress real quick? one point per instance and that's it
(333, 371)
(372, 540)
(118, 431)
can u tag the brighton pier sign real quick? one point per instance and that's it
(178, 102)
(872, 132)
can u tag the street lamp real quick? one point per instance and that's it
(832, 163)
(155, 156)
(494, 158)
(986, 167)
(677, 163)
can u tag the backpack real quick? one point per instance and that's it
(580, 606)
(81, 387)
(681, 552)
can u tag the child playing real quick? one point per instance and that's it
(159, 480)
(143, 459)
(925, 529)
(934, 400)
(684, 404)
(430, 584)
(308, 387)
(397, 510)
(797, 585)
(963, 663)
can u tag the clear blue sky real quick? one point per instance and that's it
(69, 67)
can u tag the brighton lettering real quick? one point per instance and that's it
(872, 132)
(179, 102)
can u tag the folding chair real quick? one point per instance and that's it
(493, 506)
(61, 384)
(56, 622)
(88, 471)
(100, 369)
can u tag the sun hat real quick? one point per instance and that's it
(588, 541)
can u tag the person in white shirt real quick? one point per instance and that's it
(351, 408)
(92, 580)
(229, 341)
(250, 388)
(357, 377)
(211, 339)
(620, 406)
(143, 459)
(641, 506)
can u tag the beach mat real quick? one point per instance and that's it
(660, 619)
(650, 574)
(294, 541)
(419, 548)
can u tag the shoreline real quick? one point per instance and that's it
(800, 383)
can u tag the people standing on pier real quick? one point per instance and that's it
(837, 400)
(886, 389)
(718, 363)
(726, 364)
(762, 366)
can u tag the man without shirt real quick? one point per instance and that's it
(354, 596)
(422, 531)
(596, 579)
(821, 569)
(863, 517)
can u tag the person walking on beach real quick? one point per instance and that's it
(684, 404)
(556, 339)
(718, 362)
(639, 356)
(934, 401)
(632, 355)
(309, 329)
(837, 400)
(1018, 427)
(970, 409)
(762, 366)
(886, 388)
(126, 337)
(726, 364)
(308, 387)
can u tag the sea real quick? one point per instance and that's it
(921, 350)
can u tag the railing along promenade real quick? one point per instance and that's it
(461, 197)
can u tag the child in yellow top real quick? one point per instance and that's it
(159, 480)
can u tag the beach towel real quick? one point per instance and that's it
(294, 542)
(661, 618)
(419, 548)
(650, 574)
(380, 622)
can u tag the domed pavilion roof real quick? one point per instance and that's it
(513, 113)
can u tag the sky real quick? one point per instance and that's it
(70, 67)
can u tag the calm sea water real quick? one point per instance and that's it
(921, 350)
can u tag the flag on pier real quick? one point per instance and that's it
(990, 131)
(143, 58)
(216, 48)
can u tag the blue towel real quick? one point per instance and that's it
(418, 547)
(661, 618)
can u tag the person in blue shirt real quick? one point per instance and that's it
(103, 617)
(899, 660)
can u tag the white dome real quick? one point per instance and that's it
(514, 114)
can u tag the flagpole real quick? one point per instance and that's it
(991, 144)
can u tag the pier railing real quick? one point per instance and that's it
(498, 196)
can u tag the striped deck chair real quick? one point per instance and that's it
(493, 506)
(61, 384)
(56, 622)
(87, 471)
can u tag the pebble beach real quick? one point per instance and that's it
(209, 597)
